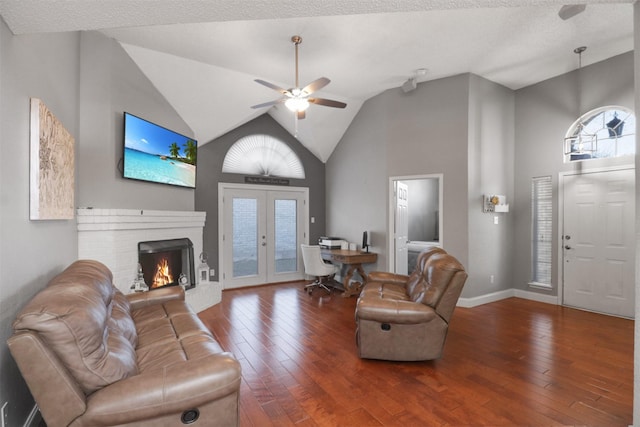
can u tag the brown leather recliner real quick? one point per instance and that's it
(406, 318)
(92, 356)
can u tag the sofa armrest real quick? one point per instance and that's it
(174, 389)
(383, 276)
(56, 392)
(394, 311)
(156, 296)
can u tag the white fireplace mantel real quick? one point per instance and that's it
(111, 236)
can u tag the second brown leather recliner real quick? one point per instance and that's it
(406, 318)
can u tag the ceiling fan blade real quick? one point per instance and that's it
(272, 86)
(316, 85)
(570, 10)
(327, 102)
(301, 115)
(268, 104)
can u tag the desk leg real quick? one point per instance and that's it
(351, 289)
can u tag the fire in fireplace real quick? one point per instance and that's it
(167, 263)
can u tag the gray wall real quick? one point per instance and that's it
(45, 66)
(210, 159)
(543, 114)
(484, 138)
(111, 83)
(356, 184)
(490, 155)
(460, 126)
(87, 80)
(397, 134)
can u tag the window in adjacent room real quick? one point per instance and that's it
(542, 221)
(263, 155)
(604, 132)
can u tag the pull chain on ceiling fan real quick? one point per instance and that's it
(298, 99)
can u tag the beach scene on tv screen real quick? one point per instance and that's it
(153, 153)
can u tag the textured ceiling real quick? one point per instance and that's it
(204, 55)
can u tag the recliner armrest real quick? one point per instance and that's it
(59, 397)
(383, 276)
(394, 311)
(173, 389)
(156, 296)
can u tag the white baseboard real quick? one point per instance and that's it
(507, 293)
(535, 296)
(485, 299)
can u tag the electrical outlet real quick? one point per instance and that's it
(491, 278)
(212, 272)
(5, 415)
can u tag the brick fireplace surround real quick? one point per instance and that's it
(111, 236)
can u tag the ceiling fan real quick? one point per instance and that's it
(297, 99)
(570, 10)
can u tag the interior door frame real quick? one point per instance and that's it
(560, 213)
(391, 257)
(223, 186)
(401, 231)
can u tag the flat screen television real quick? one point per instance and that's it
(156, 154)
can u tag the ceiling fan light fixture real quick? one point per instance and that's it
(297, 98)
(297, 104)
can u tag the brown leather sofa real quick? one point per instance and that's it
(93, 356)
(406, 318)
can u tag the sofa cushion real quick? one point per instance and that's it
(418, 291)
(384, 290)
(121, 321)
(414, 279)
(73, 316)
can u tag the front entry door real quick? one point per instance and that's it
(262, 233)
(599, 241)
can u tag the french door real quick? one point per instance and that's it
(262, 229)
(599, 241)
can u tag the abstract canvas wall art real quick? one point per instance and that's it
(52, 174)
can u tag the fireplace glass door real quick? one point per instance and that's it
(263, 230)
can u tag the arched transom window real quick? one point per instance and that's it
(604, 132)
(263, 155)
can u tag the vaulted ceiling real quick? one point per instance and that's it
(203, 55)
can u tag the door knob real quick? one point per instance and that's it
(264, 243)
(567, 247)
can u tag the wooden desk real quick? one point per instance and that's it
(354, 259)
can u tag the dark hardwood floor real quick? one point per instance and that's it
(510, 363)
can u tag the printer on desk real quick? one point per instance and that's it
(330, 242)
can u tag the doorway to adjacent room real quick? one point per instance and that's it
(415, 218)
